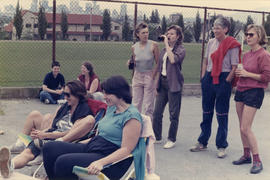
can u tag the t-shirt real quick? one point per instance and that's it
(54, 83)
(112, 124)
(231, 57)
(65, 123)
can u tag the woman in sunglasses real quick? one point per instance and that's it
(70, 122)
(254, 77)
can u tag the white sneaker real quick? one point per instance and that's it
(152, 176)
(37, 161)
(221, 153)
(47, 101)
(17, 148)
(61, 101)
(158, 141)
(169, 144)
(5, 162)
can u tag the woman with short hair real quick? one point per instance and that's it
(254, 76)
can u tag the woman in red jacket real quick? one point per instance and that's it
(254, 77)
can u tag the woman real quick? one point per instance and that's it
(254, 78)
(145, 54)
(90, 81)
(118, 134)
(70, 122)
(170, 83)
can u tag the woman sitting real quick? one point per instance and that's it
(90, 81)
(118, 135)
(71, 122)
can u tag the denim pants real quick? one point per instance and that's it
(215, 96)
(143, 96)
(60, 157)
(46, 95)
(174, 98)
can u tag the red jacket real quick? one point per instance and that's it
(218, 56)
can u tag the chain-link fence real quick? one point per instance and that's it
(82, 37)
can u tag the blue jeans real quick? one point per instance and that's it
(52, 97)
(174, 98)
(215, 96)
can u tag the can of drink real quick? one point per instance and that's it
(240, 66)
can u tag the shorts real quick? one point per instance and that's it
(251, 97)
(35, 150)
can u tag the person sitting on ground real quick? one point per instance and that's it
(90, 81)
(53, 85)
(72, 121)
(118, 135)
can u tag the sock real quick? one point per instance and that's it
(256, 158)
(246, 152)
(12, 166)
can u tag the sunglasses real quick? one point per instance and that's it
(66, 94)
(249, 34)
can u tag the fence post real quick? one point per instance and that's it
(53, 35)
(203, 41)
(135, 21)
(263, 19)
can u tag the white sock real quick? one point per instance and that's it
(12, 166)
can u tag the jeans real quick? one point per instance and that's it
(218, 96)
(163, 97)
(60, 157)
(143, 96)
(52, 98)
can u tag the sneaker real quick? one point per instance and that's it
(242, 160)
(256, 168)
(221, 153)
(198, 147)
(17, 148)
(169, 144)
(5, 162)
(158, 141)
(47, 101)
(37, 161)
(152, 176)
(2, 132)
(61, 101)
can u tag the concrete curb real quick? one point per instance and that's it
(33, 92)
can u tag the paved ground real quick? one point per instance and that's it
(177, 163)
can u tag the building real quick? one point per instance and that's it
(81, 27)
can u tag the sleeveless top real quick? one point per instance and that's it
(82, 79)
(144, 58)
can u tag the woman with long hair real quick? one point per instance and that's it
(170, 84)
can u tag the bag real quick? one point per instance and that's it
(131, 63)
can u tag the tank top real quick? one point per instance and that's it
(144, 58)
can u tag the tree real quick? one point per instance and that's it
(157, 16)
(145, 19)
(126, 30)
(180, 22)
(249, 21)
(197, 27)
(64, 24)
(212, 20)
(267, 25)
(163, 25)
(187, 36)
(106, 26)
(42, 23)
(18, 21)
(232, 29)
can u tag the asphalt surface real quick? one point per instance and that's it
(177, 163)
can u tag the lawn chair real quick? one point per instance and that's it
(98, 108)
(147, 138)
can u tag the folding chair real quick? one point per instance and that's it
(147, 138)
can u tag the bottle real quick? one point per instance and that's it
(240, 66)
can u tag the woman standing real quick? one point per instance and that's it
(145, 53)
(254, 78)
(90, 81)
(170, 83)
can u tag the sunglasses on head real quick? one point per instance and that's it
(66, 94)
(249, 34)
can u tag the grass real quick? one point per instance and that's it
(25, 63)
